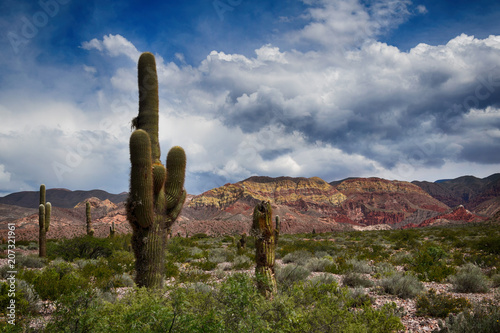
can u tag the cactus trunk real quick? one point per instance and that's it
(90, 230)
(265, 247)
(157, 192)
(44, 211)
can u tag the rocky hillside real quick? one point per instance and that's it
(303, 204)
(58, 197)
(477, 194)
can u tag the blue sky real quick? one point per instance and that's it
(404, 90)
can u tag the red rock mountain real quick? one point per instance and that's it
(303, 204)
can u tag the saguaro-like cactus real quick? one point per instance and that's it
(265, 245)
(112, 230)
(90, 230)
(44, 210)
(156, 193)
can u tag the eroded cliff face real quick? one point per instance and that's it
(360, 201)
(292, 192)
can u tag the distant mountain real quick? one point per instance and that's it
(468, 191)
(62, 198)
(303, 204)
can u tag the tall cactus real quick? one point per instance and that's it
(44, 211)
(112, 230)
(156, 193)
(90, 230)
(265, 246)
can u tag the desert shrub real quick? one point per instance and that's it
(318, 265)
(56, 279)
(171, 269)
(220, 255)
(242, 262)
(32, 246)
(121, 261)
(495, 281)
(402, 285)
(231, 306)
(85, 247)
(29, 261)
(324, 278)
(289, 274)
(359, 266)
(429, 265)
(358, 297)
(122, 280)
(204, 264)
(489, 244)
(440, 305)
(99, 272)
(26, 298)
(352, 279)
(193, 274)
(300, 257)
(469, 279)
(482, 318)
(384, 269)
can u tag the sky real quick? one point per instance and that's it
(397, 89)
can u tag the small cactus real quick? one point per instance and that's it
(266, 236)
(44, 211)
(112, 230)
(90, 230)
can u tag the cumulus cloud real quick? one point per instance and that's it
(310, 109)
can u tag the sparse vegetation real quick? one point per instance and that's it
(210, 283)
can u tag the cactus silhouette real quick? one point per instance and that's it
(44, 211)
(266, 237)
(90, 230)
(112, 230)
(157, 193)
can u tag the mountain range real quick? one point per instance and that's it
(303, 204)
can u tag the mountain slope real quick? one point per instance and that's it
(468, 191)
(59, 197)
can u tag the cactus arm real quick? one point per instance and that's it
(48, 211)
(140, 202)
(176, 172)
(41, 217)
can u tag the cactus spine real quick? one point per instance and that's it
(90, 230)
(44, 211)
(156, 193)
(265, 245)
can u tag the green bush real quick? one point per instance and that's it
(26, 298)
(85, 247)
(318, 264)
(469, 279)
(402, 285)
(440, 305)
(482, 318)
(289, 274)
(352, 279)
(300, 257)
(29, 261)
(57, 279)
(359, 266)
(242, 262)
(429, 264)
(235, 305)
(121, 261)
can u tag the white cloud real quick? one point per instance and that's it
(115, 45)
(307, 110)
